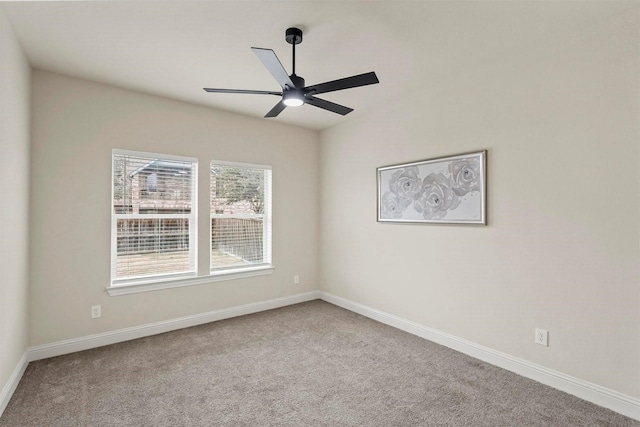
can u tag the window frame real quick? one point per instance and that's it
(267, 224)
(122, 285)
(193, 278)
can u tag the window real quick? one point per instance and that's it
(153, 218)
(240, 208)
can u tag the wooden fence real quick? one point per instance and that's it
(139, 236)
(238, 237)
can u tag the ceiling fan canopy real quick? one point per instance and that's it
(294, 92)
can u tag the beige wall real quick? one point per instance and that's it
(561, 251)
(76, 125)
(14, 195)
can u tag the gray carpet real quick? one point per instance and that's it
(310, 364)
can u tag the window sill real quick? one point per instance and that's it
(219, 276)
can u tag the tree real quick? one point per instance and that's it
(238, 184)
(119, 184)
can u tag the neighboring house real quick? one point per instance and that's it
(148, 190)
(161, 187)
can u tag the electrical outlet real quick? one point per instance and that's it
(296, 280)
(542, 337)
(96, 311)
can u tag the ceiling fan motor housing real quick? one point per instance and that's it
(297, 80)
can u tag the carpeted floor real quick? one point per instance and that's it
(311, 364)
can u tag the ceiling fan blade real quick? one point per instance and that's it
(271, 61)
(251, 92)
(276, 110)
(326, 105)
(346, 83)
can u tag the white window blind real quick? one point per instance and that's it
(153, 217)
(240, 215)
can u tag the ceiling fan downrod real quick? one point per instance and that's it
(293, 36)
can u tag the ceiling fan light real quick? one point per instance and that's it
(292, 99)
(293, 102)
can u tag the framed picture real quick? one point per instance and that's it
(446, 190)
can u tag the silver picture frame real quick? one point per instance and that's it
(444, 190)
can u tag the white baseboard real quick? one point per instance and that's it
(602, 396)
(11, 385)
(120, 335)
(623, 404)
(112, 337)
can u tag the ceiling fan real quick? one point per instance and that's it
(294, 93)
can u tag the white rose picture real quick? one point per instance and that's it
(392, 206)
(405, 183)
(437, 197)
(465, 175)
(447, 190)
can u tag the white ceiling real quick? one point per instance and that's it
(176, 48)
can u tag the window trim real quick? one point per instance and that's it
(193, 228)
(146, 286)
(267, 227)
